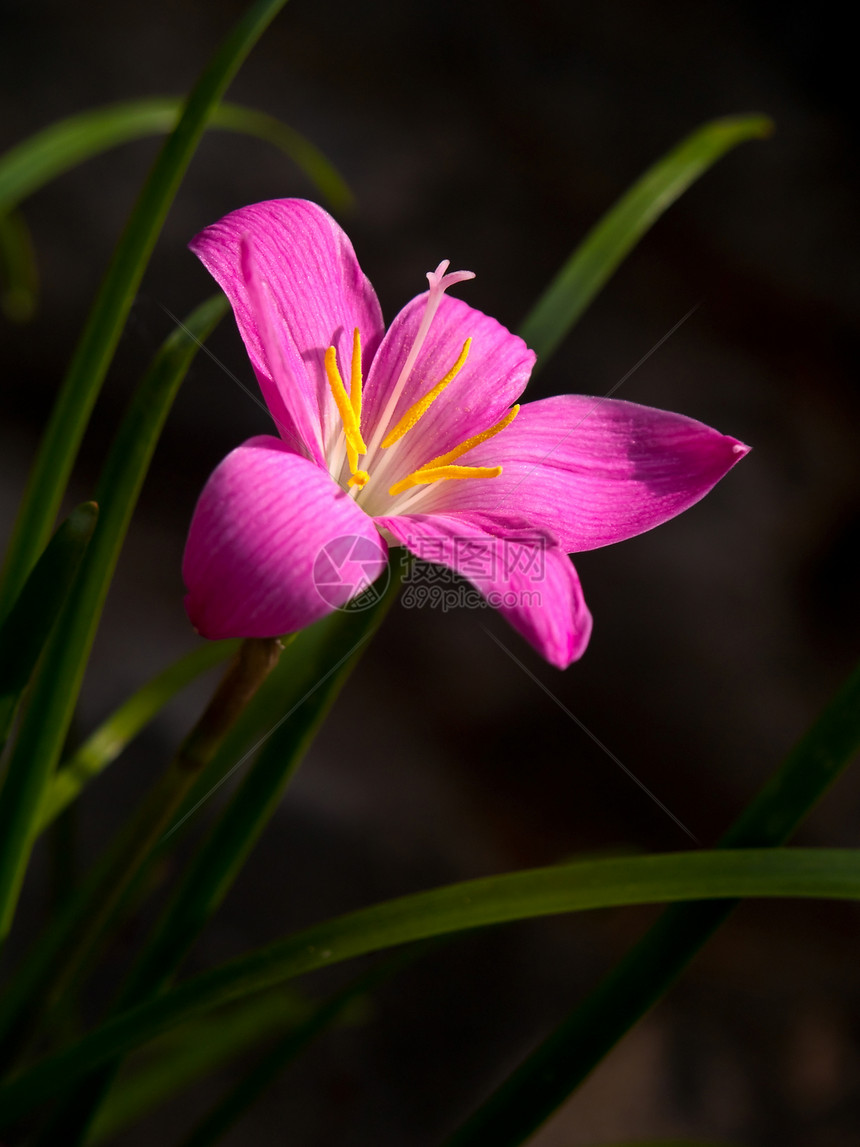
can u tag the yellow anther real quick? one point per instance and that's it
(355, 377)
(420, 408)
(427, 474)
(442, 467)
(475, 440)
(354, 442)
(359, 479)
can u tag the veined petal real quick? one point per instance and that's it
(318, 292)
(519, 570)
(593, 470)
(493, 376)
(291, 401)
(268, 544)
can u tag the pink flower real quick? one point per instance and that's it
(408, 437)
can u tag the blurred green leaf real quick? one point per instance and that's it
(106, 743)
(558, 1065)
(178, 1059)
(19, 276)
(48, 713)
(63, 145)
(95, 350)
(825, 873)
(610, 240)
(240, 1098)
(26, 629)
(319, 662)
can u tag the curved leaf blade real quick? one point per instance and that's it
(616, 882)
(26, 629)
(63, 145)
(569, 1054)
(322, 658)
(19, 276)
(105, 743)
(239, 1099)
(614, 236)
(58, 680)
(187, 1054)
(95, 350)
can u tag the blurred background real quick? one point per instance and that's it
(495, 135)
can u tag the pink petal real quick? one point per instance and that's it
(274, 545)
(520, 572)
(317, 289)
(494, 375)
(593, 470)
(291, 400)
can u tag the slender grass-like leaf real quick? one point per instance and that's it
(64, 145)
(19, 276)
(25, 996)
(718, 875)
(26, 629)
(66, 950)
(319, 667)
(62, 437)
(106, 742)
(614, 236)
(55, 688)
(574, 1049)
(314, 684)
(239, 1099)
(188, 1053)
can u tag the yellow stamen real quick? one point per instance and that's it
(354, 442)
(441, 467)
(426, 475)
(420, 408)
(359, 478)
(475, 440)
(355, 377)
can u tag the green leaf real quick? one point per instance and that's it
(106, 743)
(67, 947)
(230, 1109)
(573, 1050)
(62, 438)
(320, 662)
(19, 276)
(26, 629)
(306, 156)
(188, 1053)
(28, 166)
(64, 145)
(56, 685)
(825, 873)
(610, 240)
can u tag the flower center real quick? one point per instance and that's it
(348, 403)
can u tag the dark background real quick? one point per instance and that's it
(495, 135)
